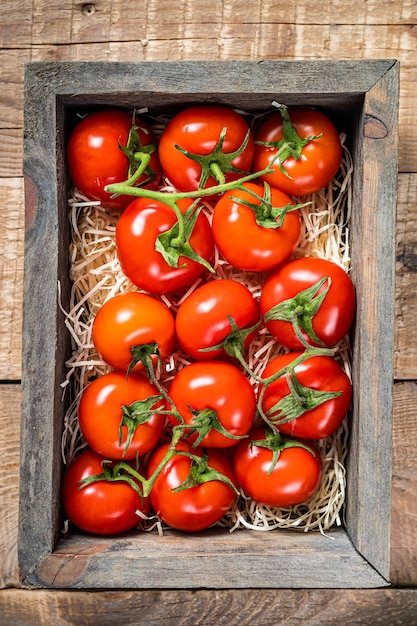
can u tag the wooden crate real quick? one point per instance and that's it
(362, 96)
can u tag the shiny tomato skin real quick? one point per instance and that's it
(101, 508)
(132, 319)
(197, 130)
(95, 160)
(336, 313)
(136, 233)
(202, 319)
(294, 479)
(219, 386)
(322, 373)
(320, 158)
(100, 411)
(234, 225)
(198, 507)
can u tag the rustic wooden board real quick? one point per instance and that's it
(209, 559)
(406, 280)
(11, 277)
(372, 238)
(220, 608)
(217, 30)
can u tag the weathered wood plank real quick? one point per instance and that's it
(10, 152)
(220, 608)
(9, 485)
(406, 279)
(372, 235)
(23, 23)
(11, 277)
(208, 559)
(404, 486)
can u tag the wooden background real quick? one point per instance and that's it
(127, 30)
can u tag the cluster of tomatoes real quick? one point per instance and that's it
(228, 427)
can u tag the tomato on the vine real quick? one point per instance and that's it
(194, 152)
(116, 415)
(277, 471)
(256, 228)
(102, 507)
(312, 297)
(216, 312)
(107, 147)
(137, 231)
(128, 322)
(311, 400)
(308, 148)
(217, 398)
(188, 494)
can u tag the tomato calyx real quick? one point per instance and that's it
(300, 400)
(139, 156)
(301, 309)
(175, 242)
(143, 353)
(276, 443)
(203, 422)
(234, 343)
(217, 163)
(200, 473)
(119, 472)
(291, 144)
(135, 414)
(266, 215)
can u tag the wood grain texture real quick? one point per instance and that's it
(372, 237)
(211, 559)
(11, 277)
(9, 485)
(394, 607)
(229, 29)
(406, 279)
(404, 485)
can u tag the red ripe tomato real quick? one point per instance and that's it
(95, 160)
(197, 130)
(203, 322)
(104, 403)
(293, 479)
(136, 234)
(218, 397)
(197, 507)
(130, 320)
(326, 312)
(271, 242)
(102, 507)
(322, 399)
(319, 159)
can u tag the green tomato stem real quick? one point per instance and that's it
(170, 198)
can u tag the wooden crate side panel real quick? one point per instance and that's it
(334, 78)
(373, 248)
(43, 335)
(213, 559)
